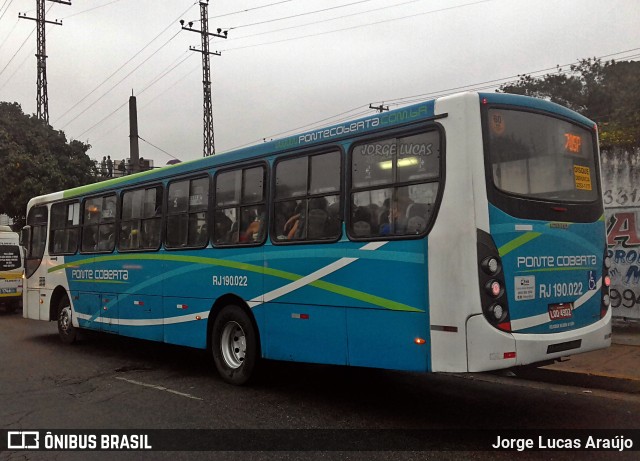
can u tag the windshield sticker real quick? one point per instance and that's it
(582, 176)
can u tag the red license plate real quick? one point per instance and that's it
(560, 311)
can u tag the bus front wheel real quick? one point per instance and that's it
(12, 306)
(234, 344)
(66, 330)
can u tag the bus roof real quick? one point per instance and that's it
(406, 115)
(390, 119)
(536, 104)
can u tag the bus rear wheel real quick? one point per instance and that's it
(234, 345)
(67, 332)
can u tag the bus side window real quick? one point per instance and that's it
(65, 221)
(409, 169)
(314, 184)
(140, 221)
(187, 214)
(240, 208)
(98, 226)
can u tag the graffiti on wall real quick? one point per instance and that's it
(621, 195)
(623, 243)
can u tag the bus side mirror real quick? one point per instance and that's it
(25, 237)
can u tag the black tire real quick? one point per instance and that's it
(12, 306)
(234, 345)
(67, 332)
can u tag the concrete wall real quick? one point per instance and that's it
(621, 185)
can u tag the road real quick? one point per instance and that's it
(108, 382)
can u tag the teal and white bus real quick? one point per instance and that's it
(461, 234)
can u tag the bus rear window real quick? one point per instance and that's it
(541, 157)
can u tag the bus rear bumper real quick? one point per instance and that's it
(490, 349)
(533, 348)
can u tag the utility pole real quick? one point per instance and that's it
(42, 98)
(209, 147)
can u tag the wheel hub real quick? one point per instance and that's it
(65, 319)
(233, 345)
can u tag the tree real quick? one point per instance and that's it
(606, 92)
(35, 159)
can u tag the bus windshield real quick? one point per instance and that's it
(541, 157)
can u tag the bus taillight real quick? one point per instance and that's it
(493, 295)
(494, 288)
(606, 282)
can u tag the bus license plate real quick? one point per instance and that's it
(560, 311)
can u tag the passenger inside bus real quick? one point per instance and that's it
(107, 238)
(294, 225)
(252, 223)
(222, 227)
(318, 218)
(397, 223)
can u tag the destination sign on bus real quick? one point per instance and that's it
(573, 143)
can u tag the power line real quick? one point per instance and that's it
(14, 54)
(153, 145)
(301, 14)
(245, 10)
(5, 11)
(156, 80)
(20, 48)
(24, 60)
(412, 1)
(302, 127)
(9, 34)
(103, 119)
(112, 113)
(359, 26)
(90, 9)
(148, 103)
(421, 97)
(172, 24)
(26, 57)
(418, 98)
(174, 64)
(359, 13)
(121, 80)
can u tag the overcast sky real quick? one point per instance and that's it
(287, 66)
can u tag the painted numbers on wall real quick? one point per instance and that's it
(623, 242)
(621, 196)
